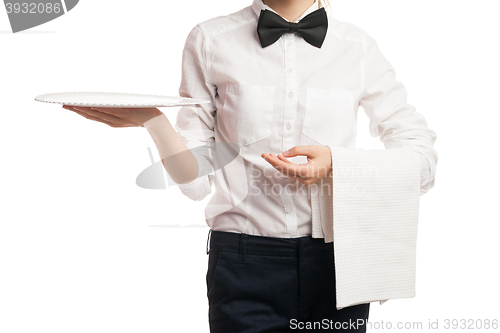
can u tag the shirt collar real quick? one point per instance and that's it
(258, 5)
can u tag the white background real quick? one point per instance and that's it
(83, 249)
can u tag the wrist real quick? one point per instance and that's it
(157, 112)
(155, 118)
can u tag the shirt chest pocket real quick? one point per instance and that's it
(329, 116)
(248, 112)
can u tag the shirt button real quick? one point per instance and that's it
(288, 210)
(288, 126)
(289, 70)
(290, 94)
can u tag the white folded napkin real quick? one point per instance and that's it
(372, 221)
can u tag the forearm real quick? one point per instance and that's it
(179, 162)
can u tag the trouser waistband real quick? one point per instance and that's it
(263, 245)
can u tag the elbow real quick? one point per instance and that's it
(197, 190)
(196, 196)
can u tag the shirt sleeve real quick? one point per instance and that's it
(391, 117)
(195, 124)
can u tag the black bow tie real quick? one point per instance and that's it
(312, 27)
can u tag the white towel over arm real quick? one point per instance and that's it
(372, 213)
(375, 214)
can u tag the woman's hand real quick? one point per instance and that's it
(318, 166)
(116, 117)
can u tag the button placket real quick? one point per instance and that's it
(290, 86)
(288, 118)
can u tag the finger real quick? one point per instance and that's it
(120, 116)
(130, 116)
(284, 159)
(111, 111)
(288, 168)
(104, 116)
(72, 108)
(300, 170)
(96, 113)
(310, 150)
(273, 161)
(90, 117)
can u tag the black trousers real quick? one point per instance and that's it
(266, 284)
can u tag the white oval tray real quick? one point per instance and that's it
(119, 100)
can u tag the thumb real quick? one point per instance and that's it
(295, 151)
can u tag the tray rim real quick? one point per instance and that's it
(200, 101)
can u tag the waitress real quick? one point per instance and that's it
(284, 80)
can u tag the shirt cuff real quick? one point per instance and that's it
(196, 189)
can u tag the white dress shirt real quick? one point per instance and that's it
(267, 100)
